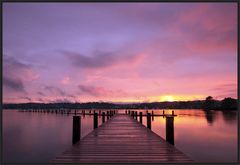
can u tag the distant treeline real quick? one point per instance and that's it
(208, 104)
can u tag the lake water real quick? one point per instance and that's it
(40, 137)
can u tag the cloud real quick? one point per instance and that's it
(187, 48)
(65, 80)
(26, 98)
(40, 93)
(55, 90)
(209, 28)
(98, 91)
(13, 84)
(226, 90)
(40, 100)
(91, 90)
(99, 59)
(15, 74)
(16, 68)
(61, 101)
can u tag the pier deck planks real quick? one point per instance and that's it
(122, 140)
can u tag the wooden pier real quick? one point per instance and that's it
(122, 139)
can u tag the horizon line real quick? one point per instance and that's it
(115, 102)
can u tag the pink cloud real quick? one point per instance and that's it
(147, 50)
(65, 80)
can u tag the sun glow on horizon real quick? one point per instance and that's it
(160, 98)
(168, 98)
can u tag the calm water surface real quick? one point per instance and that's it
(40, 137)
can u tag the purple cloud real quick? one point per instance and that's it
(98, 91)
(99, 59)
(15, 85)
(40, 93)
(55, 90)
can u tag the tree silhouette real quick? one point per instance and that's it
(229, 104)
(209, 103)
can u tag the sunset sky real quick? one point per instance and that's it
(119, 52)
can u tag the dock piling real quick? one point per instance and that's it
(136, 115)
(95, 121)
(170, 129)
(76, 129)
(103, 117)
(140, 117)
(148, 120)
(132, 114)
(152, 115)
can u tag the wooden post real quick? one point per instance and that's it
(95, 121)
(132, 114)
(140, 117)
(103, 117)
(163, 112)
(173, 113)
(107, 115)
(128, 112)
(76, 129)
(170, 129)
(152, 115)
(148, 120)
(125, 111)
(136, 115)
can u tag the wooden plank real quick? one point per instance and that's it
(122, 139)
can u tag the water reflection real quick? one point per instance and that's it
(206, 136)
(210, 116)
(229, 117)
